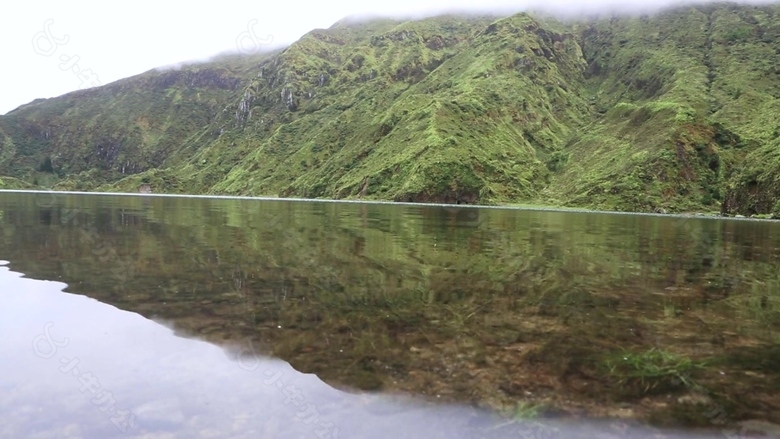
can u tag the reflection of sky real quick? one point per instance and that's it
(184, 388)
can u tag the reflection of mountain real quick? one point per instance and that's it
(175, 387)
(491, 308)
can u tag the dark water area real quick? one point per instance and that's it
(276, 318)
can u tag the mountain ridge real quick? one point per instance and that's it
(675, 111)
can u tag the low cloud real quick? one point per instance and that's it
(569, 9)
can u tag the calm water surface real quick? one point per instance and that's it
(175, 317)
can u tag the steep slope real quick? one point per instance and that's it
(670, 112)
(126, 127)
(685, 95)
(410, 114)
(749, 89)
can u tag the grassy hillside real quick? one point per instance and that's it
(676, 112)
(89, 137)
(15, 183)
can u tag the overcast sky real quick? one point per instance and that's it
(100, 42)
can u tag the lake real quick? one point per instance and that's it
(176, 317)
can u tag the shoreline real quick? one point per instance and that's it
(506, 206)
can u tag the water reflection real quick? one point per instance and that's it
(497, 309)
(74, 367)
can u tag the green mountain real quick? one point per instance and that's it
(674, 111)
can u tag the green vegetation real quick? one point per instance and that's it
(673, 112)
(15, 183)
(521, 412)
(526, 411)
(654, 370)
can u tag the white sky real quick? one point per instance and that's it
(121, 39)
